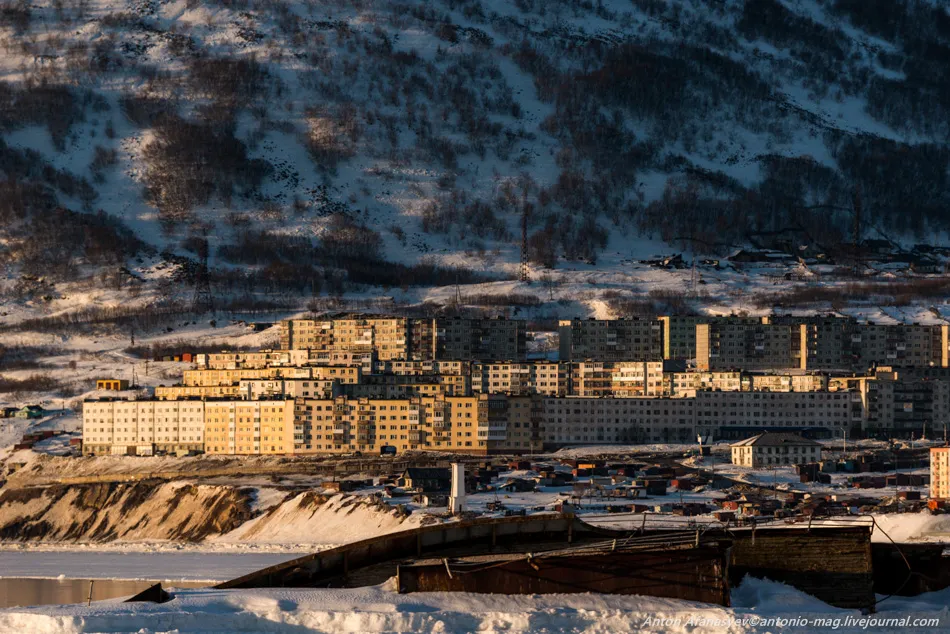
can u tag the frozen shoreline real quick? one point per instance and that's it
(190, 566)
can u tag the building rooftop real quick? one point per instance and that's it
(776, 439)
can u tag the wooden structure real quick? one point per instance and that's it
(560, 553)
(679, 566)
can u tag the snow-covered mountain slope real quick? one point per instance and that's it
(320, 146)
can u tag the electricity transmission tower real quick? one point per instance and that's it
(525, 210)
(203, 301)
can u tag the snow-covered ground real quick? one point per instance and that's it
(758, 606)
(188, 566)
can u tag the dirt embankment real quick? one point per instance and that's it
(228, 515)
(116, 511)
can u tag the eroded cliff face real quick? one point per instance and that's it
(229, 515)
(119, 511)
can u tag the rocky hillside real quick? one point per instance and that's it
(319, 147)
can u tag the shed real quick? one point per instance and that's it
(114, 385)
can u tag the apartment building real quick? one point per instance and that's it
(344, 374)
(543, 377)
(591, 378)
(940, 473)
(179, 392)
(636, 378)
(688, 383)
(817, 343)
(679, 332)
(246, 428)
(403, 338)
(386, 337)
(306, 334)
(422, 339)
(522, 421)
(740, 414)
(480, 339)
(906, 408)
(824, 341)
(253, 389)
(424, 367)
(618, 378)
(342, 425)
(366, 361)
(611, 340)
(749, 347)
(393, 390)
(810, 382)
(584, 420)
(142, 427)
(450, 384)
(900, 345)
(580, 420)
(258, 359)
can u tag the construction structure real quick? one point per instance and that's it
(560, 553)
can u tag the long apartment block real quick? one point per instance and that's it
(482, 424)
(410, 339)
(582, 378)
(818, 343)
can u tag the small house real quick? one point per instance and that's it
(518, 485)
(427, 479)
(30, 411)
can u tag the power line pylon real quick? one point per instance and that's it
(203, 301)
(525, 210)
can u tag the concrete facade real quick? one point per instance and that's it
(142, 427)
(611, 340)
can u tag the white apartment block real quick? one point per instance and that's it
(583, 420)
(142, 427)
(735, 414)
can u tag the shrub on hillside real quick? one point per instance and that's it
(187, 163)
